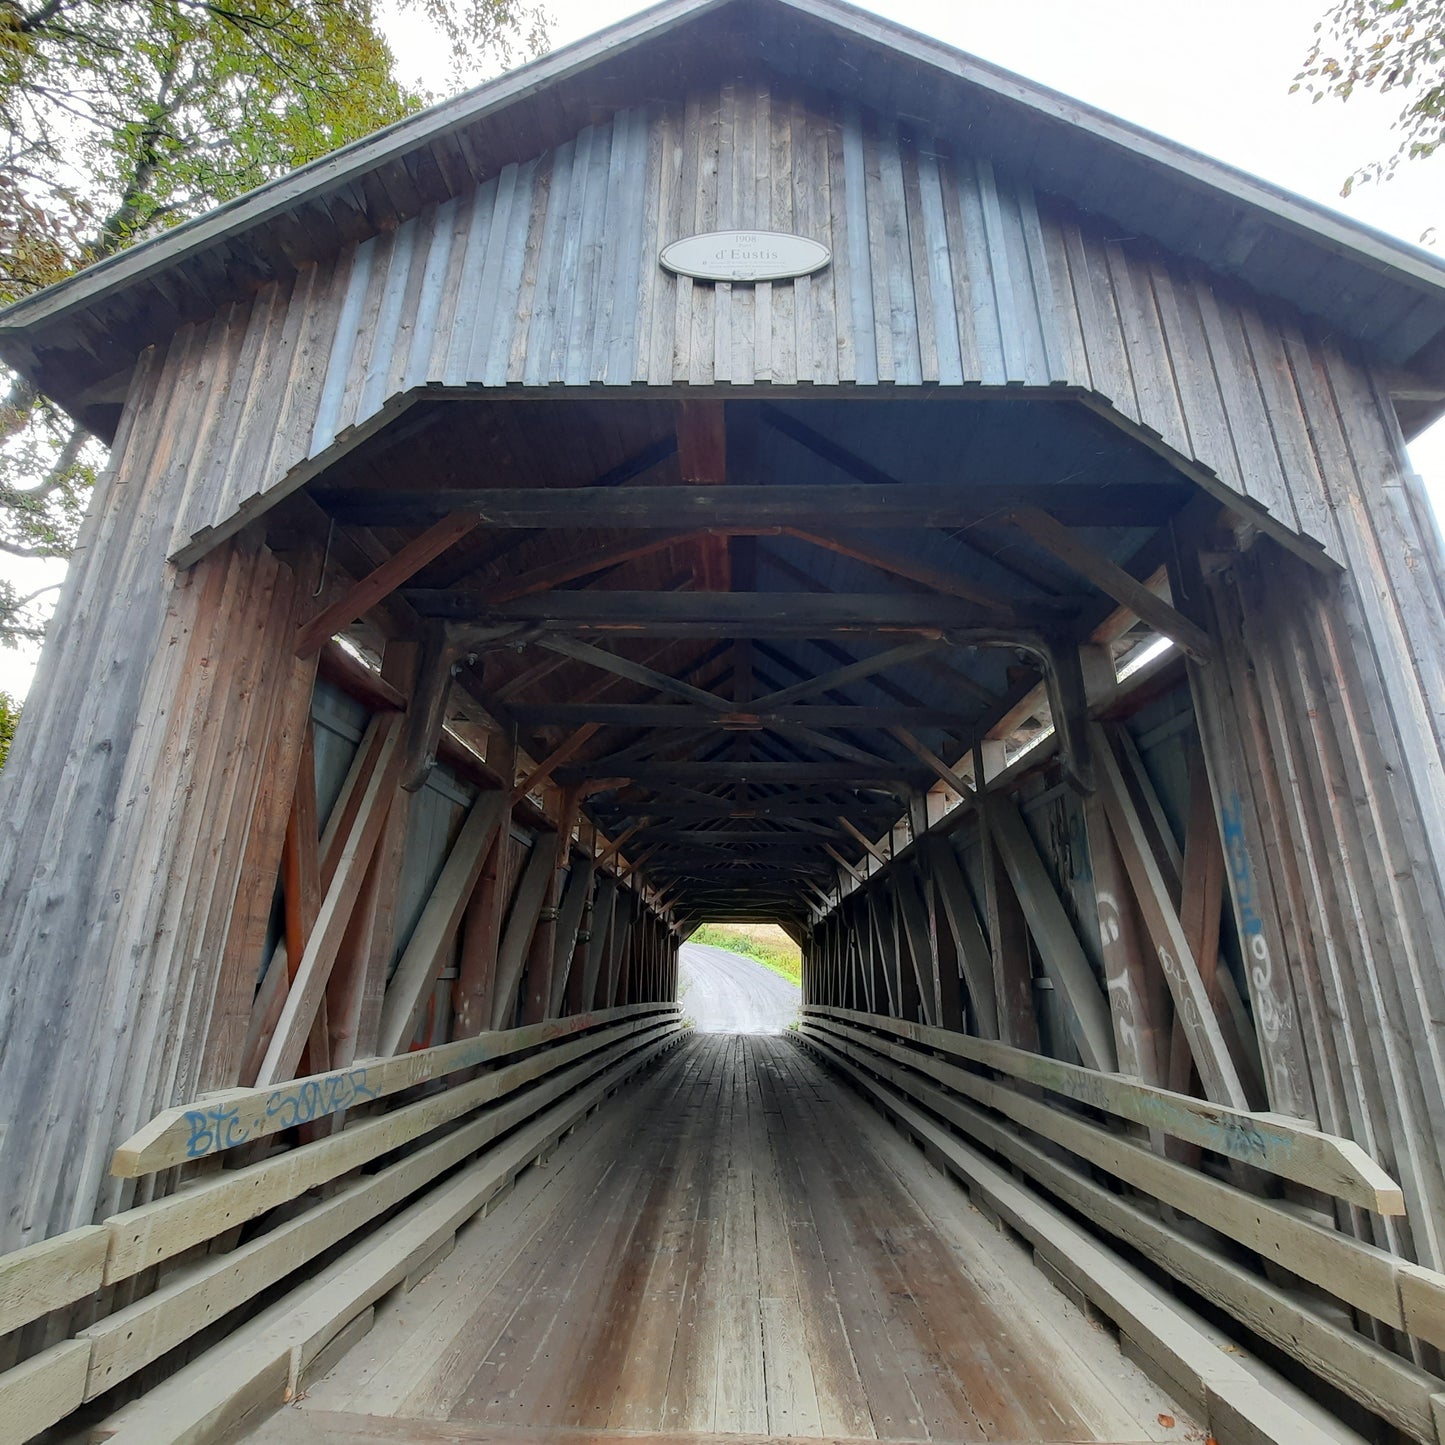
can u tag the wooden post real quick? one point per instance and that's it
(1008, 936)
(472, 995)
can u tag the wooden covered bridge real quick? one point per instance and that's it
(985, 546)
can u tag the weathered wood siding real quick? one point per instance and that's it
(1327, 771)
(944, 272)
(165, 714)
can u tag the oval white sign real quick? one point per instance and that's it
(745, 256)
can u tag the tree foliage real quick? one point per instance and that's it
(1395, 47)
(119, 118)
(9, 716)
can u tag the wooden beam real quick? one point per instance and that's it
(824, 743)
(541, 953)
(1053, 931)
(358, 977)
(925, 754)
(733, 614)
(616, 845)
(853, 672)
(1200, 907)
(427, 714)
(1171, 945)
(738, 509)
(795, 809)
(873, 906)
(634, 672)
(473, 996)
(1069, 711)
(702, 458)
(568, 748)
(301, 891)
(726, 770)
(783, 837)
(356, 679)
(362, 596)
(270, 998)
(936, 579)
(521, 923)
(922, 943)
(584, 562)
(680, 715)
(1113, 580)
(968, 938)
(861, 837)
(853, 868)
(582, 989)
(284, 1052)
(436, 929)
(1137, 1001)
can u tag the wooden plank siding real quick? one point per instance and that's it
(151, 757)
(946, 272)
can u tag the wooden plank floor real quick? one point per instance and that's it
(735, 1246)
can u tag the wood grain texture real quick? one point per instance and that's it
(946, 270)
(117, 811)
(757, 1257)
(1293, 1151)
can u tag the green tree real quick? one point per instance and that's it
(1395, 47)
(9, 716)
(119, 118)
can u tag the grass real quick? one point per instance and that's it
(765, 942)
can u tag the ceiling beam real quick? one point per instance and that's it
(633, 671)
(853, 672)
(861, 837)
(899, 564)
(680, 715)
(794, 815)
(736, 835)
(740, 509)
(1126, 504)
(926, 755)
(702, 458)
(584, 562)
(731, 614)
(730, 770)
(858, 873)
(1113, 581)
(564, 750)
(381, 582)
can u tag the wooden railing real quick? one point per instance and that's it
(507, 1098)
(951, 1091)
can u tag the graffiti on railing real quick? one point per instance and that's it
(224, 1127)
(213, 1130)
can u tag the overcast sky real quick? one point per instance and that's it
(1211, 74)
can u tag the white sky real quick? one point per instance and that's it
(1211, 74)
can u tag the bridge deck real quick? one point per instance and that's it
(738, 1246)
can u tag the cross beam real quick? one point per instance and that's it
(674, 715)
(733, 614)
(740, 509)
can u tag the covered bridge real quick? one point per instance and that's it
(991, 555)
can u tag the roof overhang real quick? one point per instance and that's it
(77, 339)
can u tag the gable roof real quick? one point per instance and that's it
(77, 339)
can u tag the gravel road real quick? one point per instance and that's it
(727, 993)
